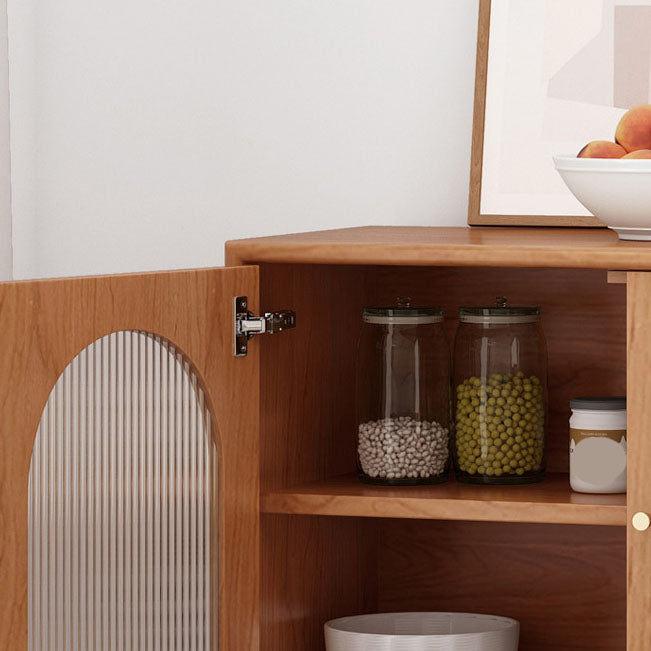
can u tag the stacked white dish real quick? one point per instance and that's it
(422, 632)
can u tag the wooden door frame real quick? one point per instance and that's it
(45, 324)
(638, 543)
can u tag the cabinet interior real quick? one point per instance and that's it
(564, 582)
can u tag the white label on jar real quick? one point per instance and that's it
(597, 457)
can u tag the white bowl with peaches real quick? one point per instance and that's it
(613, 179)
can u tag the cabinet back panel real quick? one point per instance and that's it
(566, 585)
(583, 317)
(308, 374)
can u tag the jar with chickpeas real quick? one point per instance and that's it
(403, 395)
(500, 397)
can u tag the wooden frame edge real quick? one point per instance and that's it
(475, 216)
(479, 113)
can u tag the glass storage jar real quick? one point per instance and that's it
(500, 405)
(403, 396)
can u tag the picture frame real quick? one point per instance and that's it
(565, 114)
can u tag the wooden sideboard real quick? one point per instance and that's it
(300, 540)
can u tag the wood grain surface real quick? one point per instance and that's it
(479, 112)
(309, 407)
(551, 501)
(475, 216)
(313, 569)
(437, 246)
(639, 459)
(565, 585)
(308, 382)
(45, 324)
(617, 277)
(308, 438)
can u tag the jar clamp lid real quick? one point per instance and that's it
(499, 313)
(599, 403)
(402, 314)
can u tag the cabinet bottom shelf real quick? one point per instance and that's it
(551, 501)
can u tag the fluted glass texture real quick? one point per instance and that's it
(122, 482)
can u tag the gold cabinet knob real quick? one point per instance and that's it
(641, 521)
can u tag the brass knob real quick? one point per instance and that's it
(641, 521)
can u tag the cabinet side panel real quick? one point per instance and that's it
(564, 584)
(313, 569)
(639, 458)
(308, 374)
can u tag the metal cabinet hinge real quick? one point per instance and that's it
(246, 324)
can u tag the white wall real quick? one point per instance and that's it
(145, 134)
(5, 166)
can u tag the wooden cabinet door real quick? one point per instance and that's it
(45, 324)
(639, 459)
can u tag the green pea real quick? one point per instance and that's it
(499, 424)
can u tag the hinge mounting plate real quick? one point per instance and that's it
(246, 324)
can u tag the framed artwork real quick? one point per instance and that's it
(552, 75)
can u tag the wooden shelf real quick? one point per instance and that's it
(551, 501)
(577, 248)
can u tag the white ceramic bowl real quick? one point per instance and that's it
(616, 191)
(422, 632)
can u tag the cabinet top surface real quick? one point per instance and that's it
(440, 246)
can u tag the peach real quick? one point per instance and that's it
(634, 129)
(639, 153)
(601, 149)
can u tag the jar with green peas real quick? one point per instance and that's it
(500, 401)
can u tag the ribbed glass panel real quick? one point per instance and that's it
(120, 490)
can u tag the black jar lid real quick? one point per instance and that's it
(499, 313)
(403, 313)
(599, 403)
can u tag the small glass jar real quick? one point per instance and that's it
(403, 396)
(598, 444)
(500, 381)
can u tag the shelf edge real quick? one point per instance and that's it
(442, 509)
